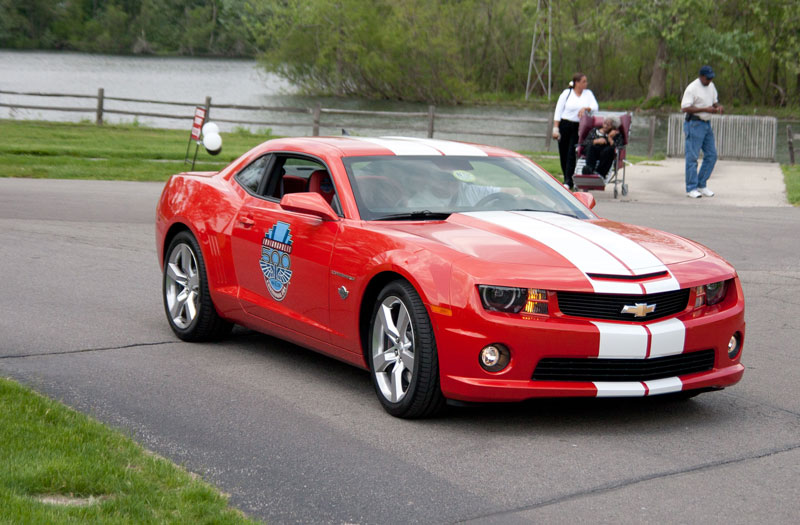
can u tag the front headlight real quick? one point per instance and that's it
(512, 300)
(715, 292)
(710, 294)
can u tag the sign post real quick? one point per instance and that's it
(197, 127)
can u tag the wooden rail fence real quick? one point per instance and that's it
(426, 121)
(791, 137)
(737, 137)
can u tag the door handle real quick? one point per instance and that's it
(246, 221)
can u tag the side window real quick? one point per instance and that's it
(250, 177)
(290, 175)
(294, 174)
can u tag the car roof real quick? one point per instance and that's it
(349, 146)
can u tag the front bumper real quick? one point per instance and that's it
(462, 335)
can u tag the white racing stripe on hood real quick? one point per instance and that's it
(585, 255)
(662, 285)
(591, 248)
(446, 147)
(402, 147)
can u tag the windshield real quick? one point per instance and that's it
(420, 188)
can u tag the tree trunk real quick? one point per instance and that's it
(748, 76)
(765, 95)
(797, 89)
(658, 80)
(213, 25)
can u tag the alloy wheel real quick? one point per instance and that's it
(182, 290)
(393, 349)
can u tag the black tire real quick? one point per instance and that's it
(206, 324)
(421, 394)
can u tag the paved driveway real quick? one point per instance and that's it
(738, 184)
(296, 437)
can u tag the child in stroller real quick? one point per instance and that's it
(601, 152)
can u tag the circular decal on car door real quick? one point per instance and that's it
(276, 261)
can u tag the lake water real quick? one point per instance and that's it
(226, 81)
(242, 82)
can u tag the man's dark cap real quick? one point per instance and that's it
(707, 72)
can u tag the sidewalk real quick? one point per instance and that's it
(746, 184)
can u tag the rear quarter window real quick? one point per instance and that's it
(250, 177)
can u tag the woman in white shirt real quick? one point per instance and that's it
(572, 104)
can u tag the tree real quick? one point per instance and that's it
(26, 24)
(673, 24)
(776, 43)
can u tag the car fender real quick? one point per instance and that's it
(208, 223)
(428, 273)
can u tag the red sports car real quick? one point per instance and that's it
(448, 270)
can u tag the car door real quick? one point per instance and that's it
(282, 258)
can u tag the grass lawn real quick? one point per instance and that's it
(550, 161)
(791, 176)
(49, 452)
(63, 150)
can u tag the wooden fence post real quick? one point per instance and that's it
(431, 116)
(790, 139)
(208, 109)
(652, 137)
(100, 95)
(317, 114)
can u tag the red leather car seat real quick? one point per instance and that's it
(319, 181)
(293, 184)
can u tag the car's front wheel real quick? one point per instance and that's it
(190, 311)
(402, 353)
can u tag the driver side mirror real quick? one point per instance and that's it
(586, 198)
(310, 203)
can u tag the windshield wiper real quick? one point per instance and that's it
(416, 216)
(567, 214)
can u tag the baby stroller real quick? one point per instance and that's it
(598, 181)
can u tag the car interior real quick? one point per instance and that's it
(294, 175)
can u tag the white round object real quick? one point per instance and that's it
(209, 128)
(212, 142)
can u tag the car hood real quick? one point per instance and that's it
(547, 239)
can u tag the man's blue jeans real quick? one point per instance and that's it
(699, 137)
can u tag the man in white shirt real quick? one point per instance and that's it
(699, 102)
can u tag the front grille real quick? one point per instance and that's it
(593, 369)
(609, 306)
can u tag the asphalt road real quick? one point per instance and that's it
(297, 437)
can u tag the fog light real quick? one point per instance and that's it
(734, 345)
(494, 357)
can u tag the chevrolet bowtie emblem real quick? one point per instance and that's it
(639, 309)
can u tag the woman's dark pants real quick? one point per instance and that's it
(566, 148)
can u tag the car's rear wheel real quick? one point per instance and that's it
(187, 302)
(402, 353)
